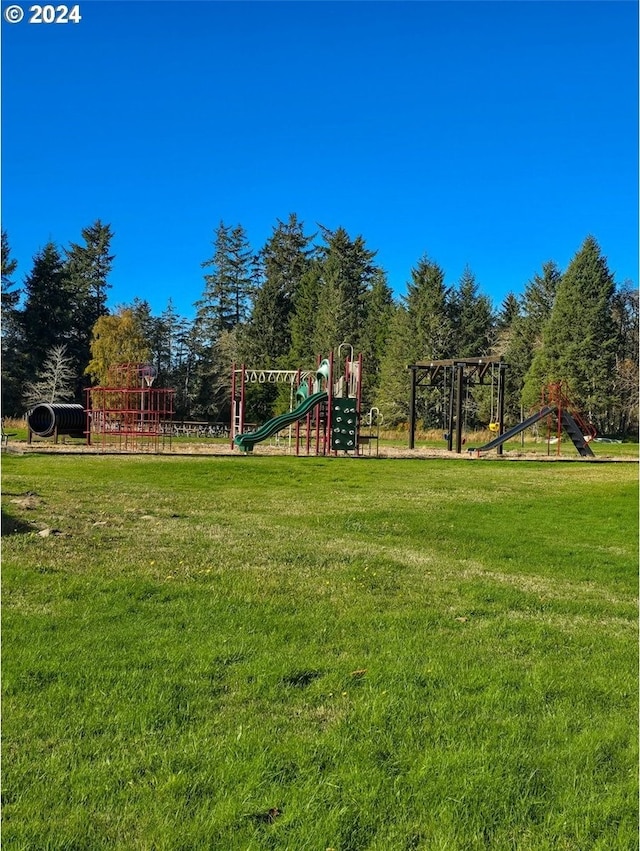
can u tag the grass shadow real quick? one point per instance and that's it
(11, 526)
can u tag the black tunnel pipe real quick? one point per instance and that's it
(45, 419)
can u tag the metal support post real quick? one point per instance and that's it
(459, 393)
(501, 395)
(412, 411)
(450, 413)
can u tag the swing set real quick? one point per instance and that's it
(455, 378)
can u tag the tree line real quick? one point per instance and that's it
(303, 294)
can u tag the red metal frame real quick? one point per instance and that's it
(318, 430)
(328, 418)
(558, 393)
(129, 414)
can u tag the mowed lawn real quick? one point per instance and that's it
(303, 653)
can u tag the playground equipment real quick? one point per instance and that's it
(56, 419)
(452, 377)
(556, 404)
(326, 413)
(373, 421)
(129, 414)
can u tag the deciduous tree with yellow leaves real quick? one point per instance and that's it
(117, 338)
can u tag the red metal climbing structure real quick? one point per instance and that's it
(129, 414)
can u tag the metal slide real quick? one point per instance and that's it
(512, 432)
(247, 441)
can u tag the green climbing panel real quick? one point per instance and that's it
(344, 425)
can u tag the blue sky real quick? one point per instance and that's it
(493, 134)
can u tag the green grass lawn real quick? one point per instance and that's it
(281, 653)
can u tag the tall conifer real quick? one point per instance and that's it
(579, 339)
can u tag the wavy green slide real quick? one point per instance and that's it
(247, 441)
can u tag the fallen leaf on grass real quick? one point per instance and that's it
(269, 817)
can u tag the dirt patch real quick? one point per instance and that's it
(223, 449)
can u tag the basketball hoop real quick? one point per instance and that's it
(149, 374)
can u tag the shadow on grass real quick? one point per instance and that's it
(11, 526)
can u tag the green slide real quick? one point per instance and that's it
(247, 441)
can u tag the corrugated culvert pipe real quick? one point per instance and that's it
(45, 419)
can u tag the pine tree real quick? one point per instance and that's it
(304, 316)
(430, 334)
(10, 297)
(228, 284)
(215, 398)
(12, 362)
(421, 330)
(348, 272)
(184, 375)
(525, 339)
(472, 318)
(579, 339)
(626, 314)
(222, 308)
(158, 331)
(47, 317)
(375, 335)
(168, 325)
(427, 304)
(285, 259)
(540, 295)
(394, 387)
(509, 312)
(86, 270)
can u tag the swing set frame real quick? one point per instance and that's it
(458, 374)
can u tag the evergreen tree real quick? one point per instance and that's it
(579, 339)
(46, 319)
(509, 312)
(215, 403)
(86, 270)
(472, 318)
(11, 362)
(145, 321)
(165, 343)
(421, 330)
(228, 284)
(392, 397)
(10, 296)
(348, 272)
(427, 303)
(184, 375)
(265, 341)
(431, 334)
(375, 335)
(304, 316)
(222, 308)
(525, 338)
(623, 418)
(285, 259)
(157, 333)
